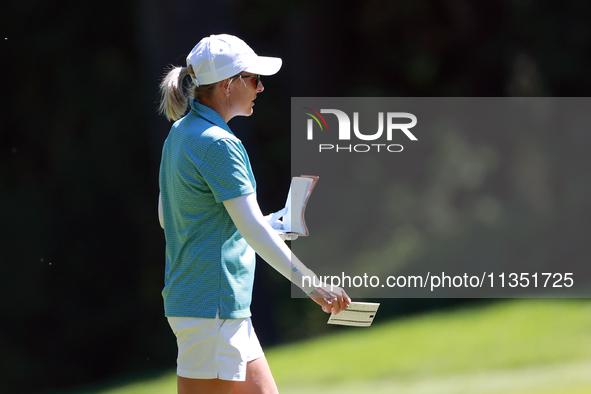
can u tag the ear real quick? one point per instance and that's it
(225, 86)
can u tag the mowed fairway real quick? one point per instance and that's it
(510, 347)
(526, 346)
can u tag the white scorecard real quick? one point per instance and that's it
(359, 314)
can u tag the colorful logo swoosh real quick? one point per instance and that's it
(316, 118)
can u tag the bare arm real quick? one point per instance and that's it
(160, 215)
(249, 220)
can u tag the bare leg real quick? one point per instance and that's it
(205, 386)
(259, 379)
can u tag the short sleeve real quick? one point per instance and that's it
(226, 170)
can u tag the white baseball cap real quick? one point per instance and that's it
(222, 56)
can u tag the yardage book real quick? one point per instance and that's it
(358, 314)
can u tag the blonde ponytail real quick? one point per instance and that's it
(173, 102)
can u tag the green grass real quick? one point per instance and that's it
(536, 345)
(521, 346)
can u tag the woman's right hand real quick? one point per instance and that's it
(332, 299)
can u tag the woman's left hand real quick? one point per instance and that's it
(278, 225)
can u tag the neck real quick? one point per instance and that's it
(219, 103)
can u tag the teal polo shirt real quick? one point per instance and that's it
(209, 265)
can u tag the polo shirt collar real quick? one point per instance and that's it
(210, 115)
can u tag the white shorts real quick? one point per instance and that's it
(214, 348)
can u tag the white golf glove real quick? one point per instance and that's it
(275, 221)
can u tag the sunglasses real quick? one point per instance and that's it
(257, 76)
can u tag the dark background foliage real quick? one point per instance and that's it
(81, 251)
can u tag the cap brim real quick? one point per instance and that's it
(265, 65)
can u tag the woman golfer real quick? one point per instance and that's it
(213, 224)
